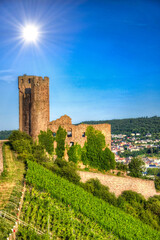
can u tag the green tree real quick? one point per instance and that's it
(22, 146)
(95, 187)
(22, 143)
(157, 183)
(46, 139)
(84, 154)
(133, 197)
(60, 139)
(108, 160)
(5, 134)
(38, 153)
(18, 135)
(74, 153)
(136, 167)
(95, 144)
(66, 169)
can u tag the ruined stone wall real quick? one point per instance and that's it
(33, 104)
(78, 132)
(119, 184)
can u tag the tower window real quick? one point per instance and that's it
(29, 80)
(83, 134)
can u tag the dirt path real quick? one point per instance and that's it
(15, 171)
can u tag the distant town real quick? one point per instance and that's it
(126, 147)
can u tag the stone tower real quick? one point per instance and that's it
(33, 104)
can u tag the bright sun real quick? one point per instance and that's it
(30, 33)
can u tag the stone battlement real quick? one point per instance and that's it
(26, 81)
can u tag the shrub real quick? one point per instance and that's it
(133, 197)
(60, 139)
(157, 183)
(97, 189)
(25, 156)
(74, 153)
(22, 146)
(66, 169)
(121, 166)
(46, 139)
(39, 154)
(136, 167)
(84, 155)
(18, 135)
(95, 144)
(60, 162)
(153, 204)
(93, 153)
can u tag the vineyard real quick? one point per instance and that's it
(55, 208)
(56, 220)
(109, 218)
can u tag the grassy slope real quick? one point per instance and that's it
(15, 171)
(107, 216)
(10, 190)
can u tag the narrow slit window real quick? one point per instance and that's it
(71, 144)
(83, 134)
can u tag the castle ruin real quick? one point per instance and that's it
(34, 113)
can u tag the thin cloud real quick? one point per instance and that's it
(7, 78)
(7, 75)
(134, 23)
(6, 71)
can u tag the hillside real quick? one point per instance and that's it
(55, 208)
(10, 191)
(5, 134)
(107, 217)
(127, 126)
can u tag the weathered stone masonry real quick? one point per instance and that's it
(33, 104)
(34, 113)
(76, 133)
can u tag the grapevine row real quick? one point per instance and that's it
(107, 216)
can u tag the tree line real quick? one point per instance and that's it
(142, 125)
(5, 134)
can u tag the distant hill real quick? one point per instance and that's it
(5, 134)
(142, 125)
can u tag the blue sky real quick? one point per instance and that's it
(102, 57)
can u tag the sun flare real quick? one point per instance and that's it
(30, 33)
